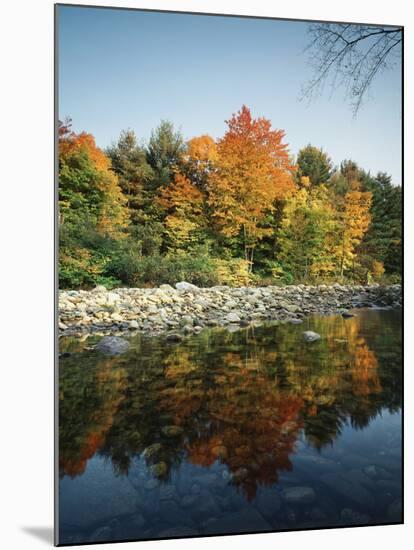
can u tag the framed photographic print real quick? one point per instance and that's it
(229, 252)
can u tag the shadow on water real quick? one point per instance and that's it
(236, 418)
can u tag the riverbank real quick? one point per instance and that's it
(189, 309)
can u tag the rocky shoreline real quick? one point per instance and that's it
(187, 308)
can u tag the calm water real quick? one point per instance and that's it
(228, 432)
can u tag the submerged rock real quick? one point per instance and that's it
(348, 314)
(174, 337)
(112, 345)
(311, 336)
(299, 495)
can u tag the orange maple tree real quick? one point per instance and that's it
(253, 171)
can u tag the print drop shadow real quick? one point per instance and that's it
(43, 533)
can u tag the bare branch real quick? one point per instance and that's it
(351, 56)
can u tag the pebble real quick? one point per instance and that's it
(156, 310)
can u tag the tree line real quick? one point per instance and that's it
(237, 210)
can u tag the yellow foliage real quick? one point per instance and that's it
(232, 272)
(377, 269)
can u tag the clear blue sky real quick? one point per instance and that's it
(129, 69)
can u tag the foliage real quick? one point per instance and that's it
(164, 152)
(233, 211)
(306, 236)
(313, 164)
(130, 164)
(254, 170)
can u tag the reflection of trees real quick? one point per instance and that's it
(241, 399)
(88, 400)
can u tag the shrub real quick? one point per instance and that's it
(154, 270)
(232, 272)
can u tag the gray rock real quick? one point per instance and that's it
(99, 288)
(186, 287)
(166, 288)
(292, 308)
(112, 345)
(233, 317)
(311, 336)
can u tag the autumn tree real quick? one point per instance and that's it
(199, 160)
(353, 222)
(306, 235)
(253, 171)
(183, 203)
(88, 185)
(91, 207)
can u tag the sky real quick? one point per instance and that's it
(122, 69)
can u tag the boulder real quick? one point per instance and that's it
(311, 336)
(233, 318)
(112, 345)
(186, 287)
(166, 288)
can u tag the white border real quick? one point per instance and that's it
(26, 268)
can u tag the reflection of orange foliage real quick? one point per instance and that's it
(365, 373)
(76, 466)
(244, 408)
(253, 425)
(109, 386)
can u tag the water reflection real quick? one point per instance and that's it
(248, 400)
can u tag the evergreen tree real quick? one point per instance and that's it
(315, 164)
(165, 149)
(130, 164)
